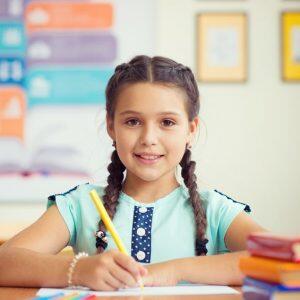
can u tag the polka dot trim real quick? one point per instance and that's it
(141, 234)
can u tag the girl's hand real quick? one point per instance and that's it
(108, 271)
(162, 274)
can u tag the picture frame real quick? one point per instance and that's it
(290, 45)
(222, 43)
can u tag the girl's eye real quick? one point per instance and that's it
(133, 122)
(168, 123)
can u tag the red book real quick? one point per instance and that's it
(274, 246)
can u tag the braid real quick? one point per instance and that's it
(181, 68)
(112, 191)
(122, 67)
(187, 172)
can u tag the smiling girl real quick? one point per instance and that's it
(173, 232)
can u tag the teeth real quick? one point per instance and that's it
(150, 156)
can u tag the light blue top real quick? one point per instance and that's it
(153, 232)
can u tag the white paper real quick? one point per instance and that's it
(296, 44)
(222, 47)
(190, 289)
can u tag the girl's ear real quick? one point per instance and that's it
(110, 127)
(193, 129)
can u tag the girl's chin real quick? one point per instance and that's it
(145, 176)
(148, 178)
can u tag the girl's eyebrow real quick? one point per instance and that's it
(127, 112)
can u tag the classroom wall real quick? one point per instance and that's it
(23, 199)
(249, 140)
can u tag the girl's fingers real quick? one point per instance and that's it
(143, 270)
(129, 264)
(114, 281)
(123, 275)
(105, 286)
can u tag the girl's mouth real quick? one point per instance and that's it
(148, 159)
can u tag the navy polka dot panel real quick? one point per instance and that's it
(141, 234)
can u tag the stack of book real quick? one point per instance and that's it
(273, 268)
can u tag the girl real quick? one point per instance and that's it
(173, 232)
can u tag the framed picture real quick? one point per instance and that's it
(290, 30)
(221, 47)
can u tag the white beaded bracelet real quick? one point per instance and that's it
(72, 267)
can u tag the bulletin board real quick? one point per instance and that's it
(56, 58)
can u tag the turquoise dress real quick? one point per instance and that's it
(152, 232)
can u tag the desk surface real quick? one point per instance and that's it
(29, 293)
(8, 230)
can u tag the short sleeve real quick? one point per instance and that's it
(67, 205)
(221, 211)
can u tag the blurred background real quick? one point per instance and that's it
(57, 56)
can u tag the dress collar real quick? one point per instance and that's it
(161, 201)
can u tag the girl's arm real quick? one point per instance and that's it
(212, 269)
(29, 258)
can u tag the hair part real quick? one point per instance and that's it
(160, 70)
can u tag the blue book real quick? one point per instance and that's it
(260, 290)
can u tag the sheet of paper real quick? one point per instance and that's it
(190, 289)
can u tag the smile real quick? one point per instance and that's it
(147, 158)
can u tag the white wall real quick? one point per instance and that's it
(249, 141)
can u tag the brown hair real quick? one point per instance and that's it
(165, 71)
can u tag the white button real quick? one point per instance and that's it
(141, 231)
(141, 255)
(143, 209)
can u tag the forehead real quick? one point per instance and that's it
(151, 98)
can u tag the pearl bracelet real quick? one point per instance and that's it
(71, 269)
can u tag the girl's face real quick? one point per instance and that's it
(151, 129)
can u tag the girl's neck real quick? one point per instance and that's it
(148, 191)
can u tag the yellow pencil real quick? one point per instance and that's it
(108, 223)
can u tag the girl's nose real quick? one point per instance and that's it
(148, 136)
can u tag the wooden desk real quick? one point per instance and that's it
(8, 230)
(29, 293)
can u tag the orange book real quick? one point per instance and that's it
(68, 15)
(271, 270)
(12, 112)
